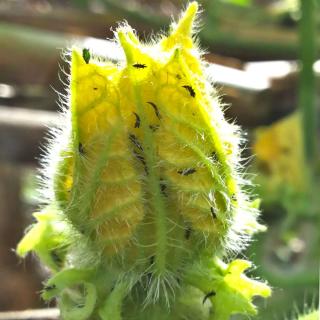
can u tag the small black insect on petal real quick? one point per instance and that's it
(156, 110)
(137, 153)
(56, 258)
(137, 123)
(139, 65)
(208, 295)
(233, 197)
(154, 127)
(163, 188)
(49, 288)
(135, 141)
(187, 233)
(186, 172)
(190, 90)
(214, 156)
(213, 213)
(81, 149)
(140, 157)
(86, 55)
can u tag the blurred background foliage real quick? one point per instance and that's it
(263, 56)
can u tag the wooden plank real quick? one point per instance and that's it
(22, 131)
(37, 314)
(27, 118)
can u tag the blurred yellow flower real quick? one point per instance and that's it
(279, 152)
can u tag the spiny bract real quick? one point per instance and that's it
(145, 189)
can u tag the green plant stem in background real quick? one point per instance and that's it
(307, 77)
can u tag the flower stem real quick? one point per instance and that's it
(307, 84)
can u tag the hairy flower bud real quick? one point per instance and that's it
(148, 181)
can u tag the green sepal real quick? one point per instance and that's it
(78, 308)
(64, 279)
(77, 294)
(227, 287)
(111, 308)
(47, 238)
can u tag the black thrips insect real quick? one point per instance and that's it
(81, 149)
(214, 215)
(142, 160)
(49, 288)
(163, 188)
(135, 141)
(208, 295)
(139, 65)
(186, 172)
(214, 156)
(139, 157)
(154, 127)
(137, 124)
(56, 258)
(155, 109)
(191, 91)
(187, 233)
